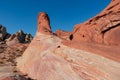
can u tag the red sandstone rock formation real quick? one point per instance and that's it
(63, 34)
(103, 28)
(47, 57)
(44, 23)
(100, 34)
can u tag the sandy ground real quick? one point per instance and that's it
(5, 71)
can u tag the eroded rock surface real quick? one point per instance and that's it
(8, 55)
(44, 23)
(64, 35)
(11, 47)
(103, 28)
(53, 57)
(46, 56)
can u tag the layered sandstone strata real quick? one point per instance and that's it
(52, 57)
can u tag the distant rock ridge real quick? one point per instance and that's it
(3, 33)
(18, 37)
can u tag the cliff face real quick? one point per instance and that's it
(75, 55)
(103, 28)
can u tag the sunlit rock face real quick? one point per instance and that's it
(44, 23)
(63, 34)
(52, 57)
(103, 28)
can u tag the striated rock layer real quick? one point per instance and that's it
(53, 57)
